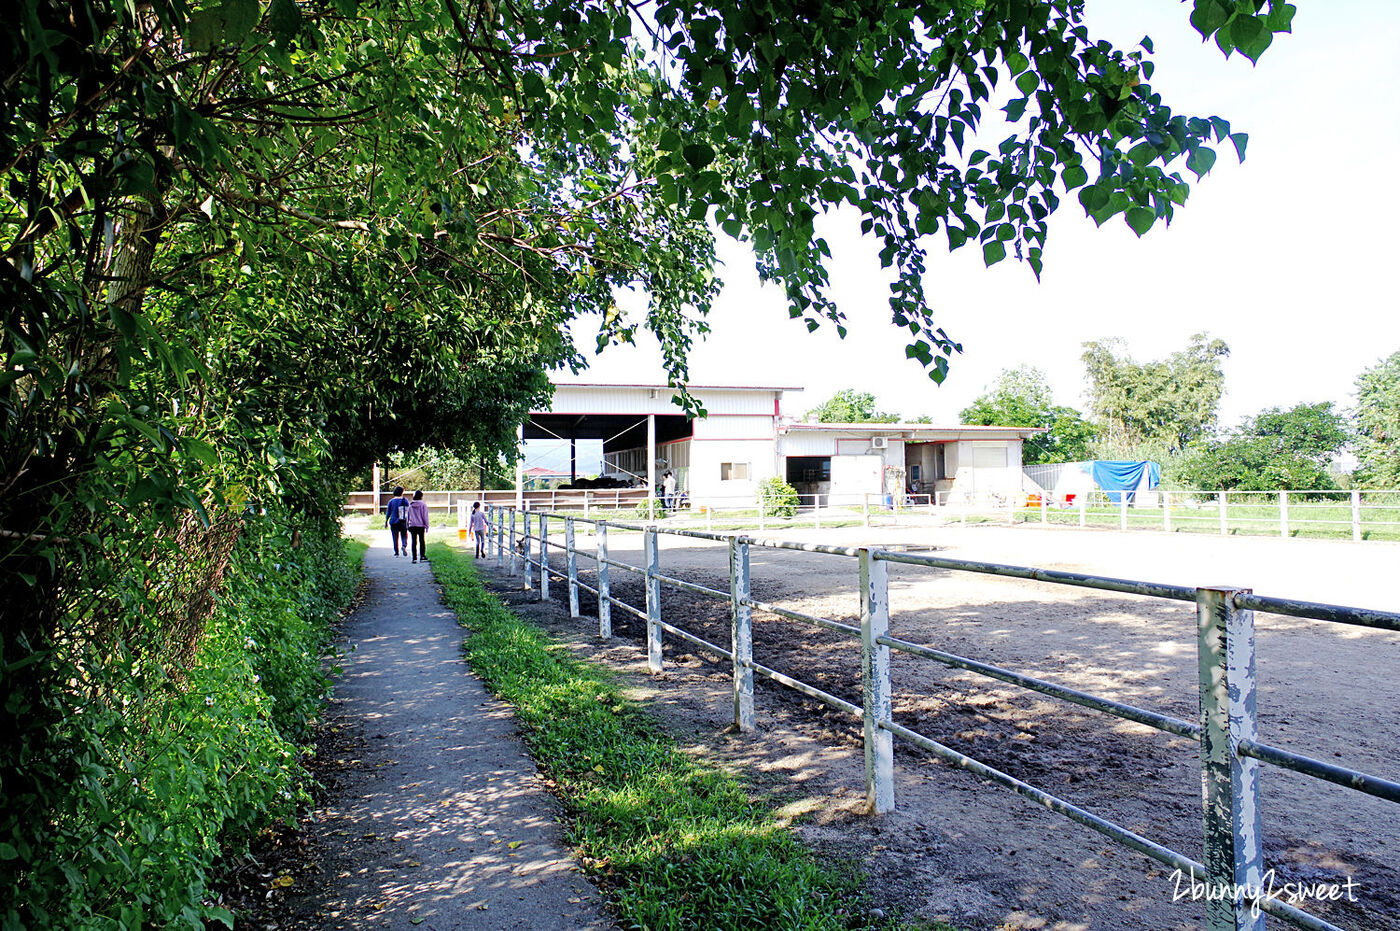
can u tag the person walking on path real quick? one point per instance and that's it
(396, 519)
(479, 526)
(418, 526)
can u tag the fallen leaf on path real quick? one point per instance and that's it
(283, 881)
(515, 843)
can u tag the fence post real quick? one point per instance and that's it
(1283, 514)
(604, 590)
(865, 507)
(499, 527)
(741, 633)
(762, 502)
(525, 551)
(461, 515)
(1083, 508)
(817, 509)
(709, 518)
(1230, 782)
(1356, 516)
(544, 555)
(1166, 511)
(652, 548)
(1044, 508)
(1122, 510)
(513, 550)
(571, 565)
(875, 682)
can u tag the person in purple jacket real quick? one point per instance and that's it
(396, 519)
(418, 526)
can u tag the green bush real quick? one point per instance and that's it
(777, 498)
(178, 759)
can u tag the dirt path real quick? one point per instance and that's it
(961, 850)
(440, 820)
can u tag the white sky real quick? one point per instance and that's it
(1288, 258)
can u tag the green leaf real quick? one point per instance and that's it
(1240, 140)
(1250, 36)
(993, 252)
(206, 30)
(1208, 16)
(1281, 17)
(698, 154)
(1016, 63)
(284, 19)
(1074, 176)
(1016, 108)
(1028, 82)
(1093, 199)
(240, 16)
(1200, 160)
(1140, 219)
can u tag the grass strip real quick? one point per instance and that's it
(679, 843)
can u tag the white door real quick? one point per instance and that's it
(852, 477)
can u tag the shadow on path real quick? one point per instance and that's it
(441, 820)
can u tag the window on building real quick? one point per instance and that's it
(733, 471)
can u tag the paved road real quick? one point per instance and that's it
(441, 821)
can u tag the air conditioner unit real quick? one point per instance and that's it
(879, 442)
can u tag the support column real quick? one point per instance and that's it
(520, 466)
(604, 589)
(652, 548)
(571, 565)
(544, 556)
(1234, 855)
(374, 484)
(875, 683)
(573, 460)
(741, 633)
(651, 465)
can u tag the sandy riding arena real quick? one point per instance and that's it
(974, 854)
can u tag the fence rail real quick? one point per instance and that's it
(1230, 749)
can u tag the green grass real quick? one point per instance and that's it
(355, 549)
(678, 843)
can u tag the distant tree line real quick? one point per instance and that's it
(1167, 410)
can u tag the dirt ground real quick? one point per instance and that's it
(962, 850)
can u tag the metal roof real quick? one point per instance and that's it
(873, 427)
(664, 387)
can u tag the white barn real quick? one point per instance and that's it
(744, 438)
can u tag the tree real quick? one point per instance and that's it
(1277, 449)
(1171, 401)
(849, 406)
(1378, 424)
(247, 247)
(1021, 398)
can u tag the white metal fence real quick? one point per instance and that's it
(1231, 749)
(1358, 514)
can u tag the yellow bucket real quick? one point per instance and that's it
(461, 533)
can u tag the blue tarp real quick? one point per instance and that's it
(1120, 476)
